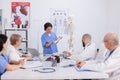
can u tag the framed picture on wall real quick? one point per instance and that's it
(20, 15)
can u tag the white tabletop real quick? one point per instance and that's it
(60, 73)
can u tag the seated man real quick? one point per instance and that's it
(89, 51)
(110, 64)
(4, 60)
(12, 51)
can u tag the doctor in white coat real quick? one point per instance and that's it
(111, 64)
(101, 54)
(89, 51)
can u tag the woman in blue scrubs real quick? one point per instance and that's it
(5, 63)
(49, 40)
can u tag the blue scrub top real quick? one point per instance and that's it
(47, 39)
(4, 60)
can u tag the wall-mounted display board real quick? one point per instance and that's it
(23, 33)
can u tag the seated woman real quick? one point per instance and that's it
(5, 62)
(12, 50)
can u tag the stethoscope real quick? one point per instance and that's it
(44, 70)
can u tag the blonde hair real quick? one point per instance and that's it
(112, 37)
(14, 38)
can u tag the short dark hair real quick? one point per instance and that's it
(3, 39)
(46, 25)
(87, 35)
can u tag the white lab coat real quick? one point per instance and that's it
(12, 53)
(100, 56)
(88, 53)
(111, 66)
(102, 53)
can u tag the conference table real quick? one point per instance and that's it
(60, 72)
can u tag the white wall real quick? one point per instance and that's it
(114, 15)
(90, 16)
(1, 4)
(0, 14)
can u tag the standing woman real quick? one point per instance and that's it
(49, 40)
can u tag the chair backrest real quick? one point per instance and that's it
(33, 52)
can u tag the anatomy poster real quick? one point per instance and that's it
(20, 14)
(59, 19)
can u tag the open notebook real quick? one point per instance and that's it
(31, 64)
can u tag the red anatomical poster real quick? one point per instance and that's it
(20, 14)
